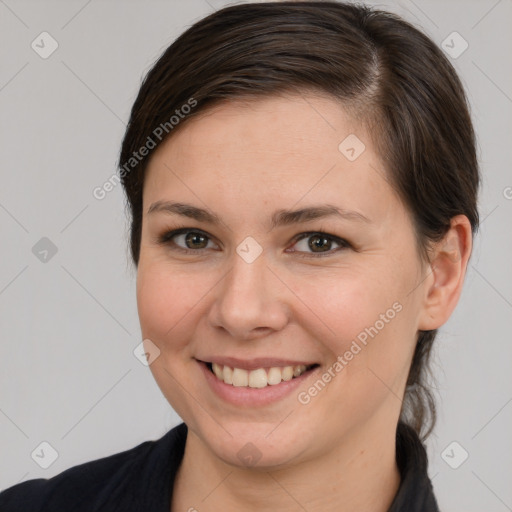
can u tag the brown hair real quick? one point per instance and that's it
(381, 68)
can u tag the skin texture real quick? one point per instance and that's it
(242, 162)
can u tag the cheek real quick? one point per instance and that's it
(342, 304)
(367, 316)
(365, 324)
(167, 302)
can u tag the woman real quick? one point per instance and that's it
(302, 184)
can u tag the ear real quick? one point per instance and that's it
(448, 263)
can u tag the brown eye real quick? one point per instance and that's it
(195, 240)
(187, 240)
(319, 244)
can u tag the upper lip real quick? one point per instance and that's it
(255, 363)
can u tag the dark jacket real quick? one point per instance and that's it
(141, 480)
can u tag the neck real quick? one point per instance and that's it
(360, 474)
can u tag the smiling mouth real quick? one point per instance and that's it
(259, 378)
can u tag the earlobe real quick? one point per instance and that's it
(448, 263)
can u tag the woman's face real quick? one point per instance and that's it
(273, 278)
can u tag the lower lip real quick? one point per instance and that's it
(253, 397)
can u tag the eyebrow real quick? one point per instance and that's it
(279, 218)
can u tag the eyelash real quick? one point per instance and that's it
(166, 239)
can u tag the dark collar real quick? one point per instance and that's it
(415, 493)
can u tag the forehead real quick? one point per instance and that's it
(282, 128)
(277, 149)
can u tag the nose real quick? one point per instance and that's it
(250, 301)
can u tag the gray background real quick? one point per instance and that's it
(69, 325)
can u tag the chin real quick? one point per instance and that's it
(258, 445)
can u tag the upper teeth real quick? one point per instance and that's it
(256, 378)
